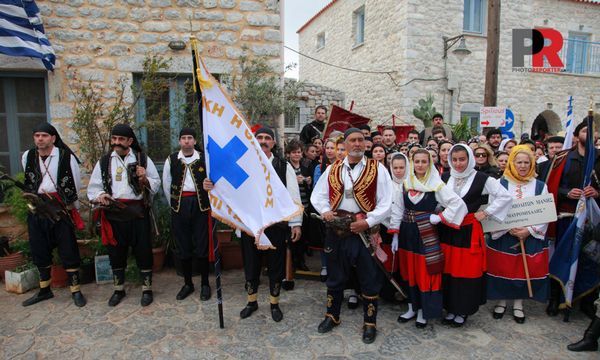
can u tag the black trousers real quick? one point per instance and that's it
(135, 234)
(348, 255)
(190, 228)
(44, 236)
(275, 259)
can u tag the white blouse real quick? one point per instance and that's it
(499, 202)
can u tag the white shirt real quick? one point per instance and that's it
(293, 189)
(499, 201)
(121, 189)
(383, 197)
(188, 183)
(49, 171)
(521, 191)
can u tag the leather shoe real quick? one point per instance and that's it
(147, 298)
(40, 296)
(276, 313)
(248, 310)
(205, 292)
(404, 320)
(78, 299)
(498, 315)
(420, 325)
(116, 298)
(327, 325)
(185, 291)
(369, 334)
(519, 319)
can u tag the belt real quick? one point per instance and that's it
(411, 216)
(189, 194)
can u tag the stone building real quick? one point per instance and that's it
(402, 43)
(104, 40)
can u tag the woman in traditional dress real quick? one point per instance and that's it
(506, 277)
(419, 251)
(463, 282)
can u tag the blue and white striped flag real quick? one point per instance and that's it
(569, 125)
(22, 32)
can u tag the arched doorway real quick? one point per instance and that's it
(547, 122)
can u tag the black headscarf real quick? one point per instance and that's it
(49, 129)
(189, 131)
(126, 131)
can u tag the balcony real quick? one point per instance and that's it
(581, 57)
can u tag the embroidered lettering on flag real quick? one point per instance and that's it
(247, 193)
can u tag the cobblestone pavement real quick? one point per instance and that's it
(189, 329)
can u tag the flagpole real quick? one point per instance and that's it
(216, 252)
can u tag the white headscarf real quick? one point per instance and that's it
(397, 155)
(470, 169)
(430, 182)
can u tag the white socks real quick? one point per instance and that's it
(502, 305)
(420, 318)
(409, 314)
(323, 271)
(450, 316)
(459, 319)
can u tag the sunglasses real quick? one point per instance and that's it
(481, 155)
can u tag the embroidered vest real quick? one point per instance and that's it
(63, 179)
(198, 172)
(106, 172)
(364, 189)
(474, 197)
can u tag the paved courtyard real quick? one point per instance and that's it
(189, 329)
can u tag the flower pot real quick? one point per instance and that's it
(231, 256)
(158, 259)
(58, 275)
(10, 262)
(224, 236)
(20, 283)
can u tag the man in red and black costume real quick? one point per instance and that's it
(360, 188)
(183, 173)
(52, 172)
(564, 182)
(122, 183)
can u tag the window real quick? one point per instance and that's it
(22, 107)
(474, 16)
(578, 52)
(359, 26)
(473, 119)
(170, 108)
(292, 121)
(320, 40)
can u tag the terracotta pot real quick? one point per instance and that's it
(224, 236)
(231, 256)
(58, 274)
(10, 262)
(158, 259)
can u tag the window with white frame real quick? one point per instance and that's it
(320, 40)
(474, 16)
(359, 25)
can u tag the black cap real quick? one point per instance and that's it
(351, 131)
(187, 131)
(581, 125)
(265, 130)
(556, 139)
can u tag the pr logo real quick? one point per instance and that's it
(542, 44)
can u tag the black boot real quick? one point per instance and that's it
(276, 313)
(252, 305)
(334, 305)
(590, 338)
(249, 309)
(78, 298)
(369, 333)
(205, 292)
(185, 291)
(147, 296)
(554, 301)
(118, 283)
(328, 324)
(188, 287)
(45, 293)
(370, 318)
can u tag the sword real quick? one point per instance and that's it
(371, 250)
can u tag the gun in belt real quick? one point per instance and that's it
(44, 205)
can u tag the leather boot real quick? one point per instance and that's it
(43, 294)
(590, 338)
(78, 298)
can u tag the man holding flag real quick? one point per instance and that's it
(576, 192)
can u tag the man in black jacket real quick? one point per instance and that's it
(315, 128)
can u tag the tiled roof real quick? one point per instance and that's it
(316, 15)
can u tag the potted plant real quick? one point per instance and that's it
(13, 210)
(22, 279)
(162, 240)
(14, 257)
(58, 274)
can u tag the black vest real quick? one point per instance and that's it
(474, 198)
(105, 171)
(64, 180)
(198, 172)
(280, 166)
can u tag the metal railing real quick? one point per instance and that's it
(581, 57)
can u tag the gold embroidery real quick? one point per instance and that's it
(364, 189)
(370, 310)
(119, 176)
(329, 301)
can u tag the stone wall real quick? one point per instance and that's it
(309, 97)
(103, 40)
(407, 37)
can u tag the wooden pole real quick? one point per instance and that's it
(493, 47)
(526, 268)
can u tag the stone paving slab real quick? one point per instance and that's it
(171, 329)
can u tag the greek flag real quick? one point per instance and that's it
(22, 33)
(566, 261)
(569, 126)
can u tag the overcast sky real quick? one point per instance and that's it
(296, 14)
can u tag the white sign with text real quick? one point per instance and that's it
(492, 116)
(533, 210)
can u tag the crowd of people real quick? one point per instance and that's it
(373, 207)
